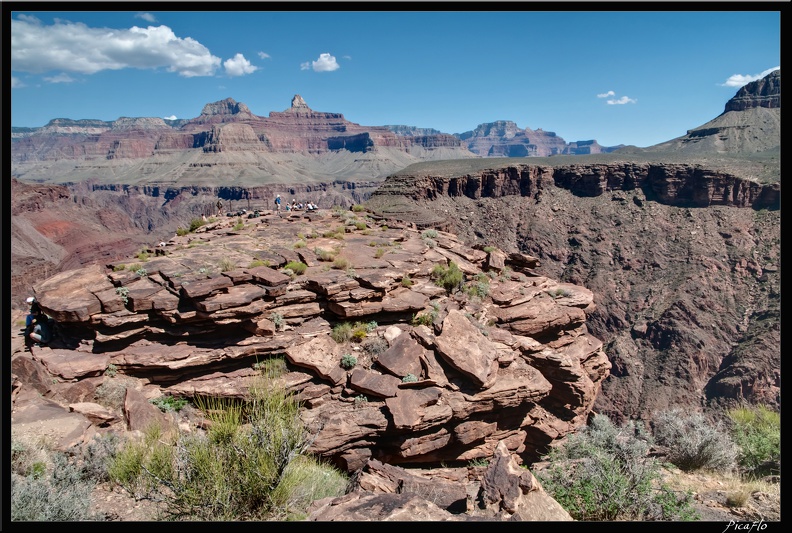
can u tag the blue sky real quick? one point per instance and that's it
(620, 77)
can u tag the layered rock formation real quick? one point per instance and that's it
(507, 359)
(298, 129)
(503, 138)
(750, 123)
(765, 92)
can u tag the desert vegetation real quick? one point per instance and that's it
(605, 472)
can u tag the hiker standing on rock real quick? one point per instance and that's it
(219, 207)
(277, 203)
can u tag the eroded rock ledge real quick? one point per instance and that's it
(684, 185)
(200, 314)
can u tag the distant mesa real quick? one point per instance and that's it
(298, 129)
(750, 123)
(229, 106)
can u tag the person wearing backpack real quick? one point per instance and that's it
(277, 203)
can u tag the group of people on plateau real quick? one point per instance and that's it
(300, 206)
(38, 326)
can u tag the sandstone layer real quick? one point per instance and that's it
(504, 357)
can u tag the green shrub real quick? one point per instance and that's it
(406, 281)
(123, 293)
(360, 225)
(450, 277)
(341, 332)
(489, 249)
(296, 266)
(346, 331)
(603, 473)
(335, 233)
(379, 252)
(300, 244)
(181, 232)
(341, 263)
(409, 378)
(360, 400)
(692, 442)
(240, 224)
(357, 208)
(757, 431)
(273, 367)
(143, 255)
(257, 263)
(169, 403)
(348, 361)
(375, 346)
(196, 223)
(429, 234)
(249, 466)
(278, 321)
(111, 392)
(61, 495)
(477, 289)
(226, 265)
(559, 292)
(423, 319)
(325, 255)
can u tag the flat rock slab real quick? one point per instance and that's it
(70, 364)
(46, 420)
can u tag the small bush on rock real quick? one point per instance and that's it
(603, 473)
(348, 361)
(692, 442)
(450, 277)
(250, 465)
(296, 266)
(757, 431)
(58, 494)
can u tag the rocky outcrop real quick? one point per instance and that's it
(512, 366)
(501, 491)
(765, 92)
(680, 256)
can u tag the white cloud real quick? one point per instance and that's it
(15, 83)
(621, 101)
(75, 47)
(738, 80)
(148, 17)
(172, 117)
(59, 78)
(325, 63)
(607, 94)
(238, 66)
(263, 55)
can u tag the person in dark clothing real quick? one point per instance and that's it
(41, 329)
(35, 309)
